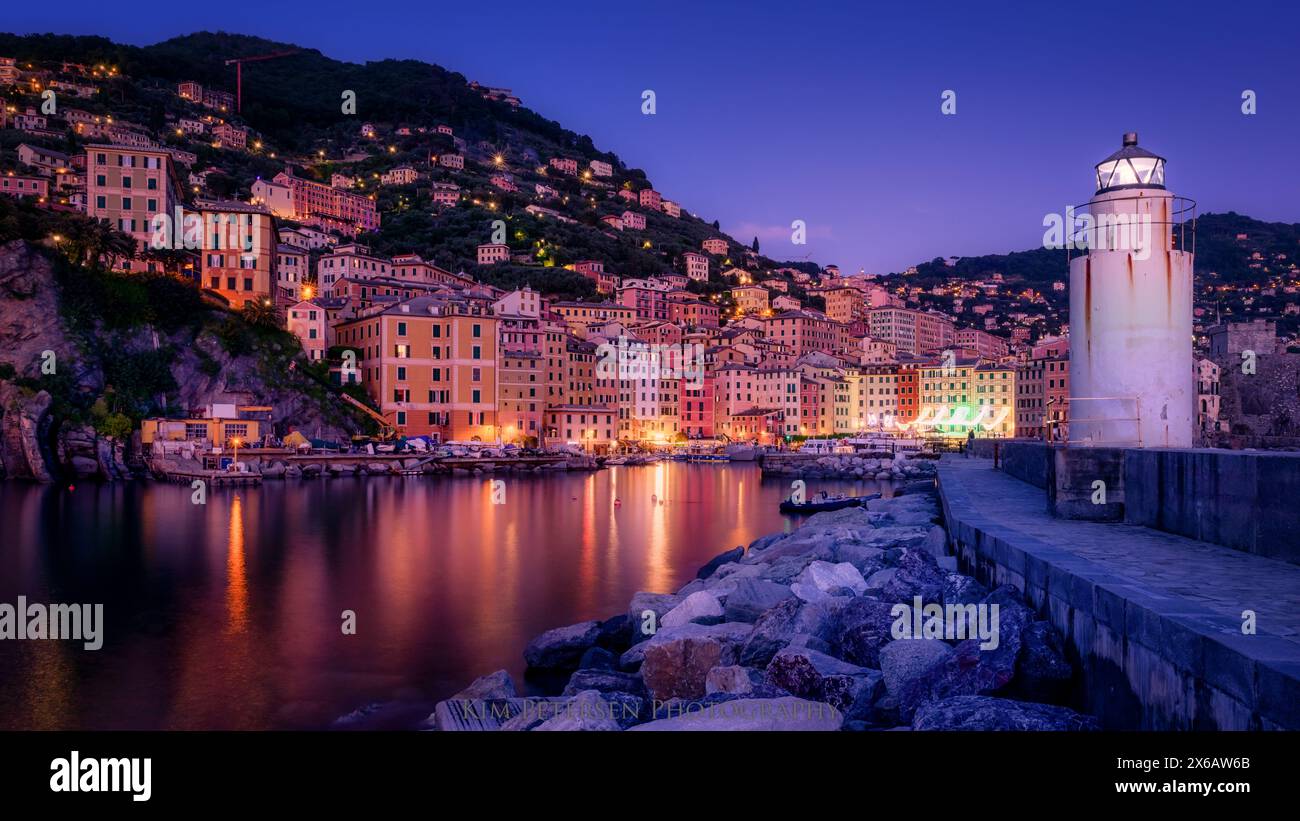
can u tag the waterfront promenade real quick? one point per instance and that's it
(1156, 618)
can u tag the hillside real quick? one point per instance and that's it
(294, 104)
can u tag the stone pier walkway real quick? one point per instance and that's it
(1182, 597)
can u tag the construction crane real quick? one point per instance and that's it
(239, 71)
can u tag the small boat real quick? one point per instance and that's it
(821, 504)
(616, 460)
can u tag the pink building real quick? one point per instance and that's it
(306, 320)
(650, 198)
(565, 165)
(695, 404)
(697, 265)
(492, 253)
(15, 186)
(633, 220)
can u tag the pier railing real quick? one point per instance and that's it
(1076, 426)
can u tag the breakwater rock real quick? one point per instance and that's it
(817, 629)
(847, 466)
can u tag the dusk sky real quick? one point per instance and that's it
(830, 112)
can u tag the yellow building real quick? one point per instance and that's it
(965, 395)
(431, 366)
(995, 399)
(214, 433)
(750, 299)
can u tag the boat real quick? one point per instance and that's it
(823, 504)
(616, 460)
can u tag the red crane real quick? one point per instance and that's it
(239, 71)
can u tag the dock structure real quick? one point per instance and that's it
(1172, 633)
(212, 477)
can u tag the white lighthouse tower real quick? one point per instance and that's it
(1131, 381)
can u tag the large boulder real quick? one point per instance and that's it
(642, 604)
(786, 569)
(984, 713)
(862, 628)
(697, 606)
(604, 681)
(753, 714)
(466, 710)
(1042, 671)
(728, 632)
(750, 598)
(859, 554)
(826, 577)
(918, 575)
(615, 633)
(779, 626)
(904, 661)
(733, 679)
(811, 674)
(678, 668)
(976, 667)
(959, 589)
(561, 648)
(587, 711)
(733, 555)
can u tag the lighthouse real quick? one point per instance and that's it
(1131, 380)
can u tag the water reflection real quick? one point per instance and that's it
(227, 615)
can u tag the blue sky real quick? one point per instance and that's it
(830, 112)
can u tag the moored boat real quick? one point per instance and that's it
(825, 503)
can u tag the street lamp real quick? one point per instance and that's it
(235, 443)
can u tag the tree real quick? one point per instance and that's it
(754, 247)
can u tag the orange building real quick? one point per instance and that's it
(238, 258)
(430, 364)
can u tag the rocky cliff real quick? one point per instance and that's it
(69, 384)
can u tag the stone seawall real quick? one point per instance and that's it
(1239, 499)
(1246, 501)
(1157, 652)
(880, 466)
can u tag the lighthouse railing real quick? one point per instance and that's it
(1111, 230)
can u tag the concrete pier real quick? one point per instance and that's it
(1156, 619)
